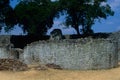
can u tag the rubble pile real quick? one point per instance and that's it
(12, 65)
(53, 66)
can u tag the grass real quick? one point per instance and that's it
(52, 74)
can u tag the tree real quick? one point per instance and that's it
(36, 16)
(85, 13)
(7, 18)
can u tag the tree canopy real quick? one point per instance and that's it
(7, 17)
(84, 13)
(37, 16)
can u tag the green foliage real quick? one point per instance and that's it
(10, 19)
(36, 17)
(84, 13)
(7, 17)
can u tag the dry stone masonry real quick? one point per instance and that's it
(116, 37)
(56, 34)
(5, 47)
(80, 54)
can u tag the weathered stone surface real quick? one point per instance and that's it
(86, 53)
(17, 53)
(56, 34)
(5, 46)
(4, 40)
(53, 66)
(116, 37)
(12, 53)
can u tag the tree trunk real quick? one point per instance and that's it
(83, 30)
(77, 29)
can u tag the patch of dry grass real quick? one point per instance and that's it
(51, 74)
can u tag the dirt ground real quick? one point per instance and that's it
(51, 74)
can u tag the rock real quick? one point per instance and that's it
(12, 65)
(56, 34)
(53, 66)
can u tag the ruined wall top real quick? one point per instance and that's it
(5, 40)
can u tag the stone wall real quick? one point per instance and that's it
(13, 53)
(4, 40)
(78, 54)
(116, 37)
(3, 53)
(7, 49)
(84, 53)
(5, 46)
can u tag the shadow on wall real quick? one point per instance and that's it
(22, 41)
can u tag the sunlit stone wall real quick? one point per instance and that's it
(79, 54)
